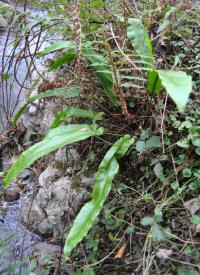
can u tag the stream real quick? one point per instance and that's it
(14, 81)
(15, 241)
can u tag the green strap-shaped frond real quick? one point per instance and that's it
(55, 138)
(107, 170)
(139, 38)
(67, 92)
(100, 65)
(68, 112)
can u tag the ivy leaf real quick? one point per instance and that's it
(140, 146)
(158, 170)
(153, 142)
(187, 172)
(184, 143)
(147, 221)
(197, 151)
(196, 142)
(195, 219)
(178, 85)
(158, 233)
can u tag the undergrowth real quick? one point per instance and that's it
(149, 224)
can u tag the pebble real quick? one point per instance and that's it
(11, 195)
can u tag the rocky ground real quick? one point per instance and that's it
(45, 198)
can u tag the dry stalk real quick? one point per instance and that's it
(129, 117)
(74, 14)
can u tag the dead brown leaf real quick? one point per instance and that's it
(121, 252)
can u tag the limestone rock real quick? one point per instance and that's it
(66, 155)
(47, 259)
(49, 174)
(55, 206)
(61, 156)
(32, 110)
(43, 250)
(48, 116)
(5, 163)
(73, 155)
(34, 218)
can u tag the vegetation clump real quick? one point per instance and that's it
(128, 80)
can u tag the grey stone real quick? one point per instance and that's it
(56, 204)
(33, 217)
(30, 136)
(32, 110)
(3, 23)
(41, 251)
(32, 212)
(25, 174)
(48, 116)
(61, 156)
(45, 228)
(24, 119)
(5, 163)
(66, 157)
(73, 155)
(49, 174)
(11, 194)
(87, 181)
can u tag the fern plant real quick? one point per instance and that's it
(177, 84)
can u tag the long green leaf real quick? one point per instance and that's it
(68, 112)
(139, 38)
(94, 58)
(100, 65)
(65, 59)
(67, 92)
(59, 45)
(178, 85)
(107, 170)
(55, 138)
(18, 114)
(166, 20)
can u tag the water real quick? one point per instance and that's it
(16, 73)
(19, 241)
(16, 240)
